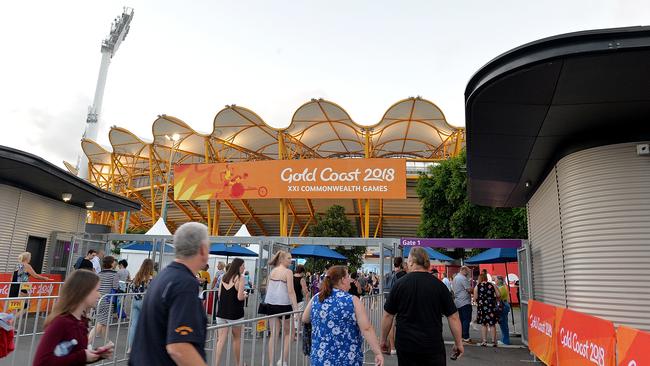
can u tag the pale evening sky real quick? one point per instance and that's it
(189, 59)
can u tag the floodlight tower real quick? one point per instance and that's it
(119, 30)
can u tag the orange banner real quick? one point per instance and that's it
(632, 347)
(583, 339)
(541, 328)
(313, 178)
(33, 289)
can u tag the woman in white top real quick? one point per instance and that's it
(280, 298)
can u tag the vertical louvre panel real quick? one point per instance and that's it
(605, 205)
(9, 197)
(39, 216)
(546, 243)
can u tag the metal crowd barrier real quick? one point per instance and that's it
(374, 305)
(119, 308)
(255, 335)
(28, 325)
(255, 332)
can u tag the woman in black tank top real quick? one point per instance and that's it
(300, 284)
(298, 288)
(231, 307)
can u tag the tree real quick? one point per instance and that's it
(447, 212)
(335, 224)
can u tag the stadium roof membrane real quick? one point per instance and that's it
(412, 128)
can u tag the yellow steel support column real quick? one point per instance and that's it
(206, 159)
(123, 226)
(209, 218)
(216, 219)
(381, 216)
(151, 184)
(459, 135)
(361, 220)
(283, 204)
(367, 213)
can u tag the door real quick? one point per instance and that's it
(36, 246)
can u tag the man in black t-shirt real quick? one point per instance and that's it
(418, 301)
(172, 324)
(86, 262)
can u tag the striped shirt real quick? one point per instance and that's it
(108, 280)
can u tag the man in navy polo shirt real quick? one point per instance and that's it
(172, 325)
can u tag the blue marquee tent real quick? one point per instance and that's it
(234, 250)
(146, 246)
(433, 254)
(317, 251)
(494, 255)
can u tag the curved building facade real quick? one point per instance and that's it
(561, 126)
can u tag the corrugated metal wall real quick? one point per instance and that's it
(9, 197)
(544, 235)
(605, 209)
(26, 214)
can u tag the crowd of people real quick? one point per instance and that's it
(168, 319)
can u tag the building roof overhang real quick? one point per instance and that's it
(531, 106)
(32, 173)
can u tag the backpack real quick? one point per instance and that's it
(78, 262)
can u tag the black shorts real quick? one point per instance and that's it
(279, 309)
(421, 359)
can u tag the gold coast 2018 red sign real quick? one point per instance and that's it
(313, 178)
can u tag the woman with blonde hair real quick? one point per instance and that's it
(21, 274)
(338, 322)
(65, 341)
(138, 287)
(280, 298)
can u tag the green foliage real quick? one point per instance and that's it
(447, 212)
(335, 224)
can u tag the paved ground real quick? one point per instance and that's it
(482, 356)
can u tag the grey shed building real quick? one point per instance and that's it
(33, 210)
(562, 126)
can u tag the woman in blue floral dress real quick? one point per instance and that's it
(338, 320)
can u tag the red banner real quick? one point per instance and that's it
(33, 289)
(541, 328)
(583, 339)
(632, 347)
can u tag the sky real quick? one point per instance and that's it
(189, 59)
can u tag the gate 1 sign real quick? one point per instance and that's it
(541, 329)
(309, 178)
(583, 339)
(632, 347)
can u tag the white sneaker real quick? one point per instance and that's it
(281, 363)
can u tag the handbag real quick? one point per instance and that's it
(499, 303)
(306, 339)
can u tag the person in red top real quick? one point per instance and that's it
(65, 341)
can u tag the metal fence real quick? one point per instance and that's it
(256, 341)
(114, 316)
(28, 325)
